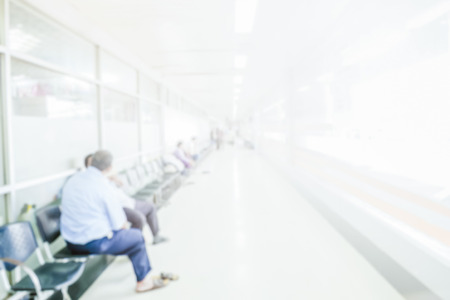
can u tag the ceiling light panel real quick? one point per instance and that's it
(240, 61)
(238, 79)
(245, 11)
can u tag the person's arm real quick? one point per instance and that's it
(113, 178)
(114, 210)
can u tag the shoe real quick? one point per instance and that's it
(169, 276)
(147, 286)
(159, 239)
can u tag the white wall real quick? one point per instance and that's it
(180, 126)
(367, 121)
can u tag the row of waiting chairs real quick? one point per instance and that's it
(18, 242)
(149, 182)
(63, 268)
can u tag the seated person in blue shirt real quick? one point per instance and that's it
(137, 212)
(93, 220)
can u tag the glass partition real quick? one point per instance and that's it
(37, 196)
(151, 127)
(35, 35)
(124, 164)
(54, 121)
(164, 95)
(115, 72)
(121, 126)
(148, 88)
(173, 100)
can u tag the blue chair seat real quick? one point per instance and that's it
(66, 253)
(52, 276)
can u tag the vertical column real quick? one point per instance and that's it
(3, 18)
(100, 121)
(3, 218)
(139, 117)
(163, 118)
(7, 110)
(290, 115)
(329, 102)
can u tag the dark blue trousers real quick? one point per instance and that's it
(124, 242)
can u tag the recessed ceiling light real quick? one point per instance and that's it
(244, 16)
(238, 79)
(327, 77)
(303, 88)
(240, 61)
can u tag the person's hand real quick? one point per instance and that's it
(116, 180)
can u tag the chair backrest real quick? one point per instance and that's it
(170, 159)
(148, 167)
(48, 221)
(160, 162)
(126, 187)
(159, 171)
(133, 177)
(141, 172)
(17, 242)
(147, 173)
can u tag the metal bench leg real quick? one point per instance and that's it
(65, 293)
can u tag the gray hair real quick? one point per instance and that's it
(102, 160)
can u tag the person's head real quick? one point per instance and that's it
(179, 144)
(102, 160)
(88, 160)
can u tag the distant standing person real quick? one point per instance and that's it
(219, 136)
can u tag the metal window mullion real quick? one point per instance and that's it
(139, 116)
(51, 67)
(162, 128)
(5, 189)
(100, 120)
(43, 180)
(3, 50)
(7, 113)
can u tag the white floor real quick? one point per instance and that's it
(242, 232)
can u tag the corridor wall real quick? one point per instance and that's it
(363, 129)
(66, 92)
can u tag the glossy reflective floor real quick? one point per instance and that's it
(239, 230)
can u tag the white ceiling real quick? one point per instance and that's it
(193, 44)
